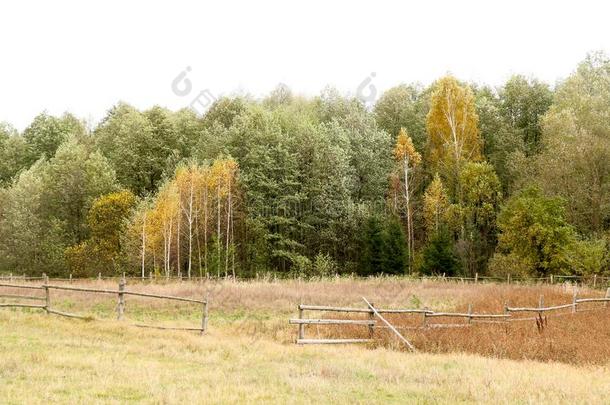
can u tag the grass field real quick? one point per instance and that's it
(248, 355)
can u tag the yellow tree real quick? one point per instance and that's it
(231, 170)
(453, 134)
(436, 205)
(223, 175)
(164, 215)
(407, 157)
(188, 181)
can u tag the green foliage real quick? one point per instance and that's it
(144, 146)
(534, 228)
(384, 247)
(395, 255)
(374, 250)
(524, 102)
(439, 256)
(315, 175)
(102, 251)
(324, 265)
(404, 106)
(46, 133)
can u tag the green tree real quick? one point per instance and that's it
(534, 228)
(13, 154)
(73, 179)
(102, 251)
(404, 106)
(396, 256)
(439, 255)
(44, 135)
(373, 249)
(524, 102)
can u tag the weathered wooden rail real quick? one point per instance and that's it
(121, 292)
(470, 318)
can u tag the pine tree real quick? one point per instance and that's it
(396, 256)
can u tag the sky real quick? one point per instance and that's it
(84, 57)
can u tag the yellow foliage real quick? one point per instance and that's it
(405, 150)
(452, 125)
(436, 205)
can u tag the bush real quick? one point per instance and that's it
(501, 265)
(324, 266)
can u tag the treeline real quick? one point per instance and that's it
(453, 178)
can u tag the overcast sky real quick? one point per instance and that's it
(84, 56)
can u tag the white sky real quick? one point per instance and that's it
(84, 56)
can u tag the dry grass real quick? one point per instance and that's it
(260, 310)
(47, 359)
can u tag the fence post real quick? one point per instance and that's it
(552, 279)
(10, 277)
(371, 326)
(508, 278)
(121, 306)
(99, 276)
(47, 295)
(469, 313)
(594, 280)
(574, 303)
(424, 320)
(540, 305)
(476, 278)
(607, 296)
(301, 326)
(204, 315)
(70, 278)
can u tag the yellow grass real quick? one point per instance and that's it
(249, 355)
(49, 359)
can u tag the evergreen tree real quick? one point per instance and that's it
(439, 256)
(396, 256)
(373, 249)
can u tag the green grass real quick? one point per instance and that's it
(47, 359)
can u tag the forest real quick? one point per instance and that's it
(454, 178)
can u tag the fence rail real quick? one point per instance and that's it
(121, 292)
(470, 316)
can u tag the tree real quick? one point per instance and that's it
(575, 162)
(503, 143)
(524, 102)
(453, 134)
(46, 133)
(103, 250)
(482, 194)
(439, 256)
(143, 147)
(374, 249)
(534, 228)
(13, 153)
(396, 257)
(73, 179)
(404, 106)
(436, 206)
(408, 158)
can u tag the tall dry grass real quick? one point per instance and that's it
(261, 309)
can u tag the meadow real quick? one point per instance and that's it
(249, 355)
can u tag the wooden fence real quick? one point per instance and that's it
(469, 317)
(121, 293)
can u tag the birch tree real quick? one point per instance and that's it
(453, 134)
(407, 157)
